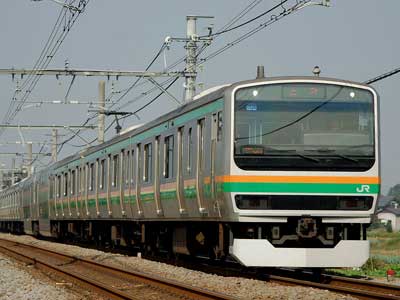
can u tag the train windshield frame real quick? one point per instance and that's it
(304, 126)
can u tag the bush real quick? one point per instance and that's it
(389, 226)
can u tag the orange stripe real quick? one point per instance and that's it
(166, 186)
(147, 189)
(301, 179)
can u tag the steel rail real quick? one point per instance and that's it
(361, 289)
(16, 250)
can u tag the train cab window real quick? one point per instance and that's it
(169, 156)
(189, 151)
(91, 177)
(115, 169)
(73, 182)
(102, 173)
(147, 163)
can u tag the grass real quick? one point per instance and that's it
(385, 254)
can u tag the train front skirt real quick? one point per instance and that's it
(261, 253)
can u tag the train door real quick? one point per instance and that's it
(179, 173)
(131, 182)
(214, 130)
(125, 183)
(138, 181)
(156, 182)
(50, 196)
(200, 165)
(68, 191)
(35, 202)
(122, 175)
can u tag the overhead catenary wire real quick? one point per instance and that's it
(225, 29)
(241, 14)
(44, 60)
(128, 115)
(382, 76)
(255, 30)
(228, 25)
(249, 21)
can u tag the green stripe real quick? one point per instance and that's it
(168, 195)
(320, 188)
(190, 192)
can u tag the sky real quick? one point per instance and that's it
(354, 40)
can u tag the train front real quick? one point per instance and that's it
(303, 171)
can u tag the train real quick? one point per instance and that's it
(272, 172)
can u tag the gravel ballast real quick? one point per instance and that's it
(237, 286)
(17, 283)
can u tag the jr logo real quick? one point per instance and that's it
(363, 189)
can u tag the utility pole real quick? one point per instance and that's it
(54, 135)
(102, 104)
(191, 41)
(191, 58)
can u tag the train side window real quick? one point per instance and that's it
(91, 177)
(73, 182)
(81, 180)
(51, 187)
(169, 156)
(65, 192)
(102, 173)
(189, 151)
(115, 169)
(220, 126)
(147, 163)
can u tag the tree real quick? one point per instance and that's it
(395, 192)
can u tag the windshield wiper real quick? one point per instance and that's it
(291, 152)
(307, 157)
(333, 152)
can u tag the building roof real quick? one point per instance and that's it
(389, 209)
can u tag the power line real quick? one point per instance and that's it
(241, 14)
(273, 19)
(251, 20)
(225, 29)
(383, 76)
(45, 58)
(137, 80)
(122, 118)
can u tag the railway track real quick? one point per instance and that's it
(109, 281)
(117, 283)
(359, 288)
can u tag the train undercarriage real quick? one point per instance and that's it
(214, 240)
